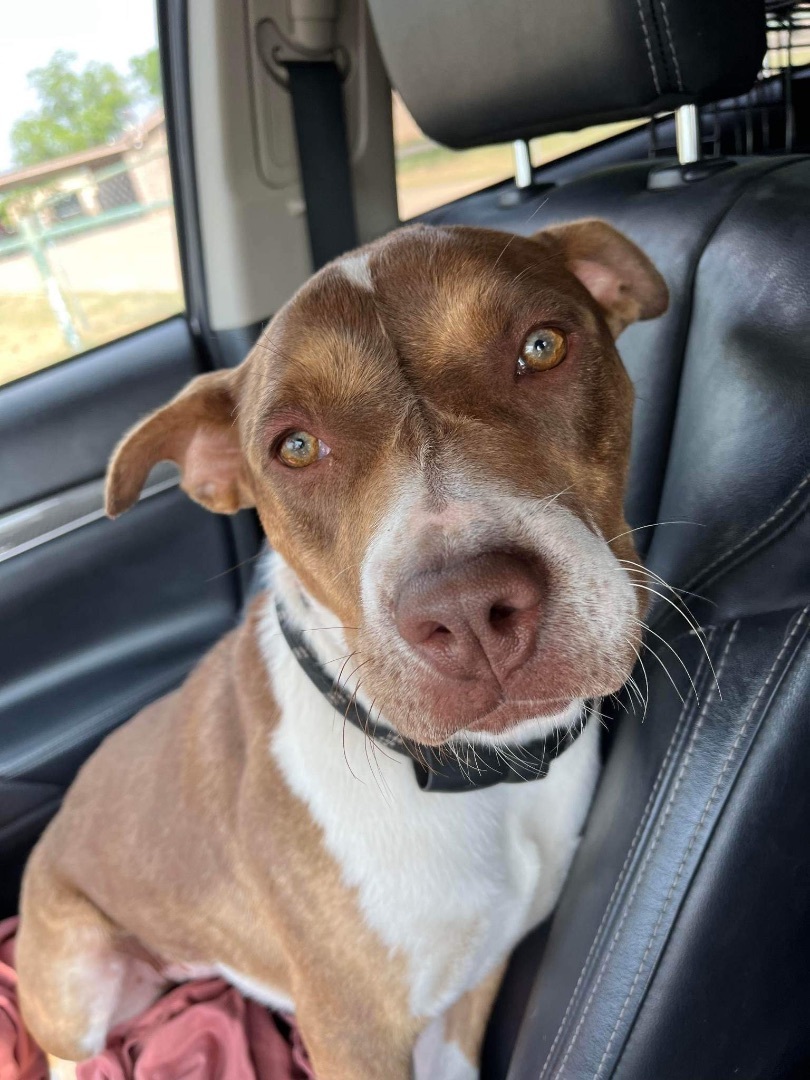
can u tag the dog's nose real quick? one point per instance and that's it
(473, 617)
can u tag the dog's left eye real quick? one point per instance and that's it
(299, 448)
(543, 348)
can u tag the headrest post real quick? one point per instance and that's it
(687, 134)
(523, 164)
(314, 23)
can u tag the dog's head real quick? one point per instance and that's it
(435, 434)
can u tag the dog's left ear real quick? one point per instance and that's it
(198, 430)
(615, 272)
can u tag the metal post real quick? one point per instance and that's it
(33, 239)
(687, 134)
(523, 164)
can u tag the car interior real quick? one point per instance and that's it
(681, 944)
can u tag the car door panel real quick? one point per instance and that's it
(57, 427)
(97, 617)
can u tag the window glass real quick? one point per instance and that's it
(88, 248)
(430, 175)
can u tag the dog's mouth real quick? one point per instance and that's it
(544, 694)
(508, 716)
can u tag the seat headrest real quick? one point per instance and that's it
(478, 71)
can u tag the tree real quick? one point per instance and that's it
(145, 77)
(77, 109)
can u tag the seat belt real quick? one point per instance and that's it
(316, 89)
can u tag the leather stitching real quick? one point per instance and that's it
(684, 329)
(696, 831)
(703, 578)
(668, 29)
(609, 907)
(689, 702)
(648, 46)
(741, 733)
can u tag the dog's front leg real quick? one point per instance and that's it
(450, 1047)
(351, 1039)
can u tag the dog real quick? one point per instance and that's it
(368, 792)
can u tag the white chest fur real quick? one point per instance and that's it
(450, 881)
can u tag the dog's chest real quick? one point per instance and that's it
(449, 881)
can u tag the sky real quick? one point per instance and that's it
(32, 30)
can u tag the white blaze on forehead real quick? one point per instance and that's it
(356, 269)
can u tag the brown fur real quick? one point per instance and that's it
(466, 1021)
(180, 838)
(192, 775)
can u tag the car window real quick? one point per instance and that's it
(429, 175)
(88, 247)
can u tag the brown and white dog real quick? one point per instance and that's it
(435, 433)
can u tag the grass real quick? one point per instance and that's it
(30, 337)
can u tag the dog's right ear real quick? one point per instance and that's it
(198, 430)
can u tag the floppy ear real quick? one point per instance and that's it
(197, 430)
(615, 272)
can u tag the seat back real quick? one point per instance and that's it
(680, 944)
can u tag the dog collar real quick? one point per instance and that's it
(438, 768)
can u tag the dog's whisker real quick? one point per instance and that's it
(335, 659)
(339, 675)
(633, 685)
(366, 738)
(617, 699)
(272, 347)
(345, 754)
(630, 681)
(643, 698)
(387, 794)
(630, 565)
(235, 567)
(646, 684)
(346, 718)
(674, 652)
(548, 500)
(514, 236)
(685, 614)
(593, 711)
(678, 603)
(653, 525)
(668, 673)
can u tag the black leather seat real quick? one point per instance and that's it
(681, 945)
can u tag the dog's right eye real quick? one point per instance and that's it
(299, 448)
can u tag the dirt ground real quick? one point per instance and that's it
(114, 281)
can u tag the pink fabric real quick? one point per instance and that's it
(198, 1031)
(20, 1057)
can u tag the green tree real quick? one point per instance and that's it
(77, 109)
(6, 220)
(145, 77)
